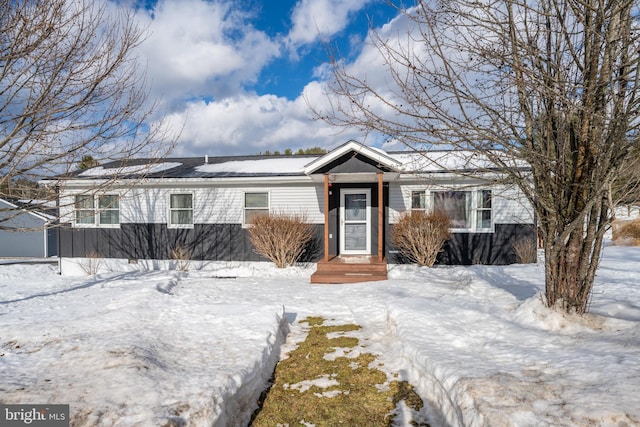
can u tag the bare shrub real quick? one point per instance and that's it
(281, 238)
(182, 255)
(92, 263)
(419, 235)
(627, 232)
(526, 250)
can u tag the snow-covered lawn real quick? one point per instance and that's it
(168, 348)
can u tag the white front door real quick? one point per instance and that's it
(355, 221)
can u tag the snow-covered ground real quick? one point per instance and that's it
(197, 348)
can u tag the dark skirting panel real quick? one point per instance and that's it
(230, 242)
(211, 242)
(479, 248)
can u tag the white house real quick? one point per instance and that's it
(353, 194)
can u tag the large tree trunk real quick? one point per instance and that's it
(571, 262)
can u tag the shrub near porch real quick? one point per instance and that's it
(419, 235)
(281, 238)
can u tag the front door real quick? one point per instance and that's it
(355, 221)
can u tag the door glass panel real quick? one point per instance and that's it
(355, 237)
(355, 207)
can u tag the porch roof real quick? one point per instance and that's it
(353, 157)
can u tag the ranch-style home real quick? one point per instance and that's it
(353, 194)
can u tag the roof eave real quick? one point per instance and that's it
(160, 182)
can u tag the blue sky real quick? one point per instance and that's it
(236, 76)
(287, 76)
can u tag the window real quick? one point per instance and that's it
(418, 200)
(181, 210)
(255, 204)
(85, 212)
(456, 205)
(107, 213)
(483, 210)
(108, 210)
(468, 210)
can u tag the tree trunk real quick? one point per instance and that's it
(570, 267)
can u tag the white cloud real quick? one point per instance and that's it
(320, 18)
(372, 69)
(249, 124)
(203, 55)
(202, 49)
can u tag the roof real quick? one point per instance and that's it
(199, 167)
(37, 208)
(381, 159)
(402, 162)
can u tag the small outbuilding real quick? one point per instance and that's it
(25, 233)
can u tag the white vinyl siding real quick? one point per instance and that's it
(223, 204)
(510, 206)
(220, 204)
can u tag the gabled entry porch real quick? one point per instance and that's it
(353, 233)
(355, 192)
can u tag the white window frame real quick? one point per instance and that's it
(424, 200)
(468, 208)
(99, 210)
(474, 205)
(171, 209)
(478, 209)
(90, 212)
(94, 211)
(245, 224)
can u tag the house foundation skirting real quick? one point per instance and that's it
(230, 242)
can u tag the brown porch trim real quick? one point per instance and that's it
(380, 182)
(326, 217)
(380, 217)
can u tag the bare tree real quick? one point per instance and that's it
(71, 86)
(552, 83)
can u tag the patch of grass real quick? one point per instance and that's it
(312, 388)
(313, 321)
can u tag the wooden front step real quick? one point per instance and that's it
(350, 270)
